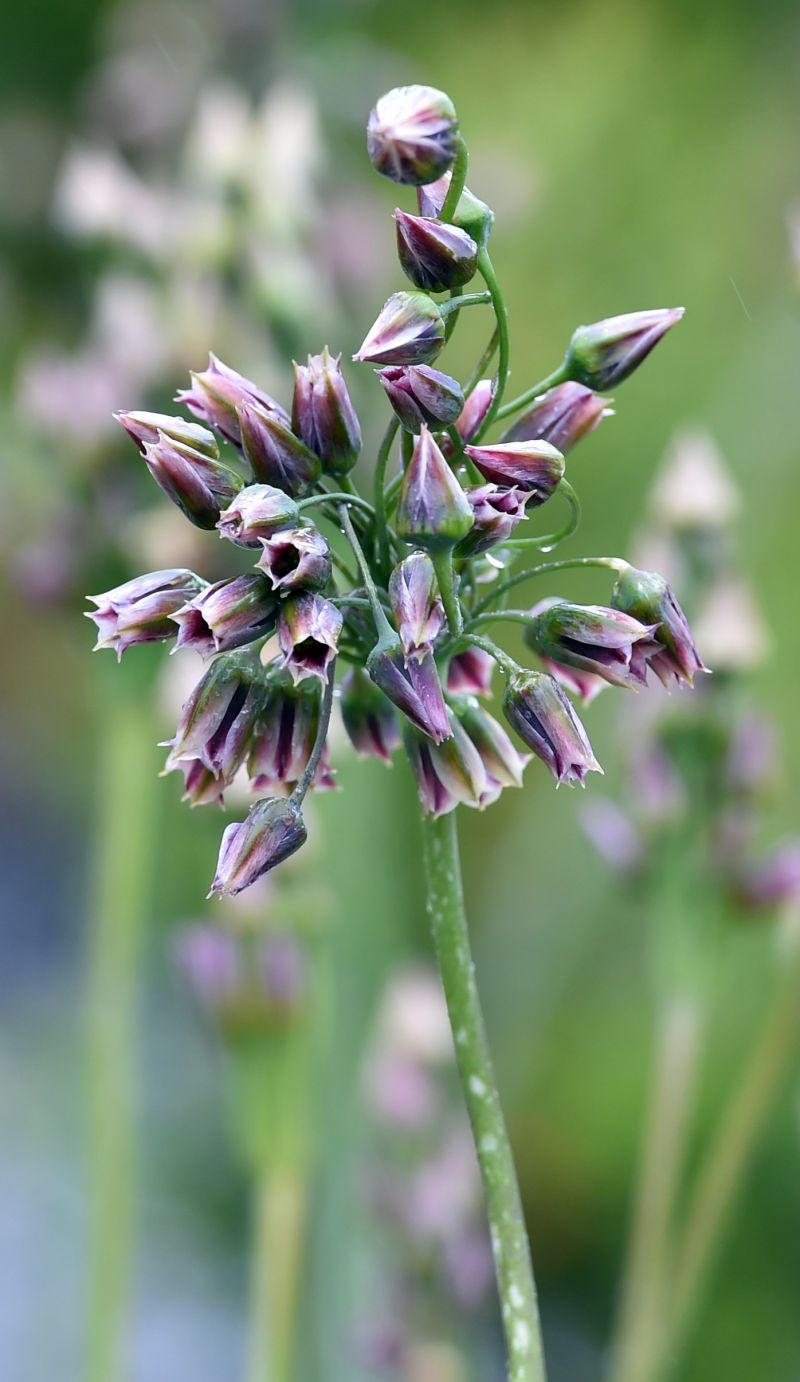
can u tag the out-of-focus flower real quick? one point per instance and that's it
(536, 707)
(613, 834)
(412, 134)
(563, 416)
(607, 352)
(693, 489)
(502, 762)
(140, 611)
(772, 881)
(308, 633)
(472, 215)
(730, 628)
(646, 596)
(416, 607)
(432, 510)
(323, 415)
(273, 830)
(227, 615)
(496, 511)
(471, 672)
(422, 396)
(368, 717)
(296, 559)
(409, 330)
(434, 255)
(533, 466)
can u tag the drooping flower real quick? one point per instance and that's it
(413, 686)
(447, 774)
(647, 597)
(563, 416)
(368, 717)
(140, 611)
(308, 633)
(536, 707)
(227, 615)
(417, 610)
(533, 466)
(470, 672)
(257, 512)
(273, 830)
(217, 723)
(594, 639)
(603, 354)
(296, 559)
(285, 734)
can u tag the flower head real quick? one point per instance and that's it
(434, 255)
(412, 134)
(141, 610)
(273, 830)
(602, 355)
(647, 597)
(308, 633)
(536, 707)
(533, 466)
(296, 559)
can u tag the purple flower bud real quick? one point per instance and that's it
(496, 511)
(227, 615)
(472, 215)
(646, 596)
(563, 416)
(502, 762)
(412, 134)
(217, 392)
(603, 354)
(434, 255)
(308, 633)
(447, 774)
(533, 466)
(585, 685)
(594, 639)
(201, 786)
(285, 734)
(414, 687)
(298, 559)
(208, 957)
(471, 418)
(140, 611)
(470, 672)
(273, 830)
(146, 428)
(772, 881)
(432, 510)
(368, 717)
(276, 456)
(257, 512)
(408, 331)
(218, 720)
(536, 707)
(323, 415)
(421, 395)
(417, 610)
(200, 487)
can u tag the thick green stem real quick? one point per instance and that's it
(379, 493)
(458, 181)
(515, 1282)
(486, 269)
(543, 569)
(123, 870)
(278, 1224)
(445, 575)
(646, 1280)
(559, 376)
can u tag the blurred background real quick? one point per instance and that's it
(185, 176)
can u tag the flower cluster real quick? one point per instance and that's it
(430, 550)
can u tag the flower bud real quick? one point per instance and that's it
(606, 642)
(603, 354)
(218, 720)
(447, 774)
(414, 687)
(434, 255)
(470, 672)
(472, 416)
(533, 466)
(368, 717)
(297, 559)
(200, 487)
(140, 611)
(276, 456)
(563, 416)
(422, 396)
(496, 511)
(585, 685)
(201, 786)
(409, 330)
(417, 610)
(412, 134)
(257, 512)
(472, 215)
(432, 510)
(502, 763)
(145, 429)
(285, 735)
(227, 615)
(536, 707)
(217, 392)
(273, 830)
(323, 415)
(646, 596)
(308, 633)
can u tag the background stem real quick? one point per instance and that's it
(125, 789)
(278, 1229)
(517, 1290)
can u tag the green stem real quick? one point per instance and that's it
(336, 497)
(486, 269)
(454, 304)
(445, 575)
(121, 886)
(543, 569)
(547, 541)
(379, 494)
(483, 364)
(277, 1237)
(720, 1178)
(504, 662)
(643, 1304)
(515, 1281)
(310, 770)
(458, 181)
(382, 624)
(559, 376)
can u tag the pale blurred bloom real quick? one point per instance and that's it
(793, 227)
(50, 380)
(693, 488)
(445, 1190)
(127, 327)
(654, 550)
(160, 537)
(218, 145)
(427, 1362)
(286, 156)
(729, 628)
(97, 195)
(613, 834)
(413, 1018)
